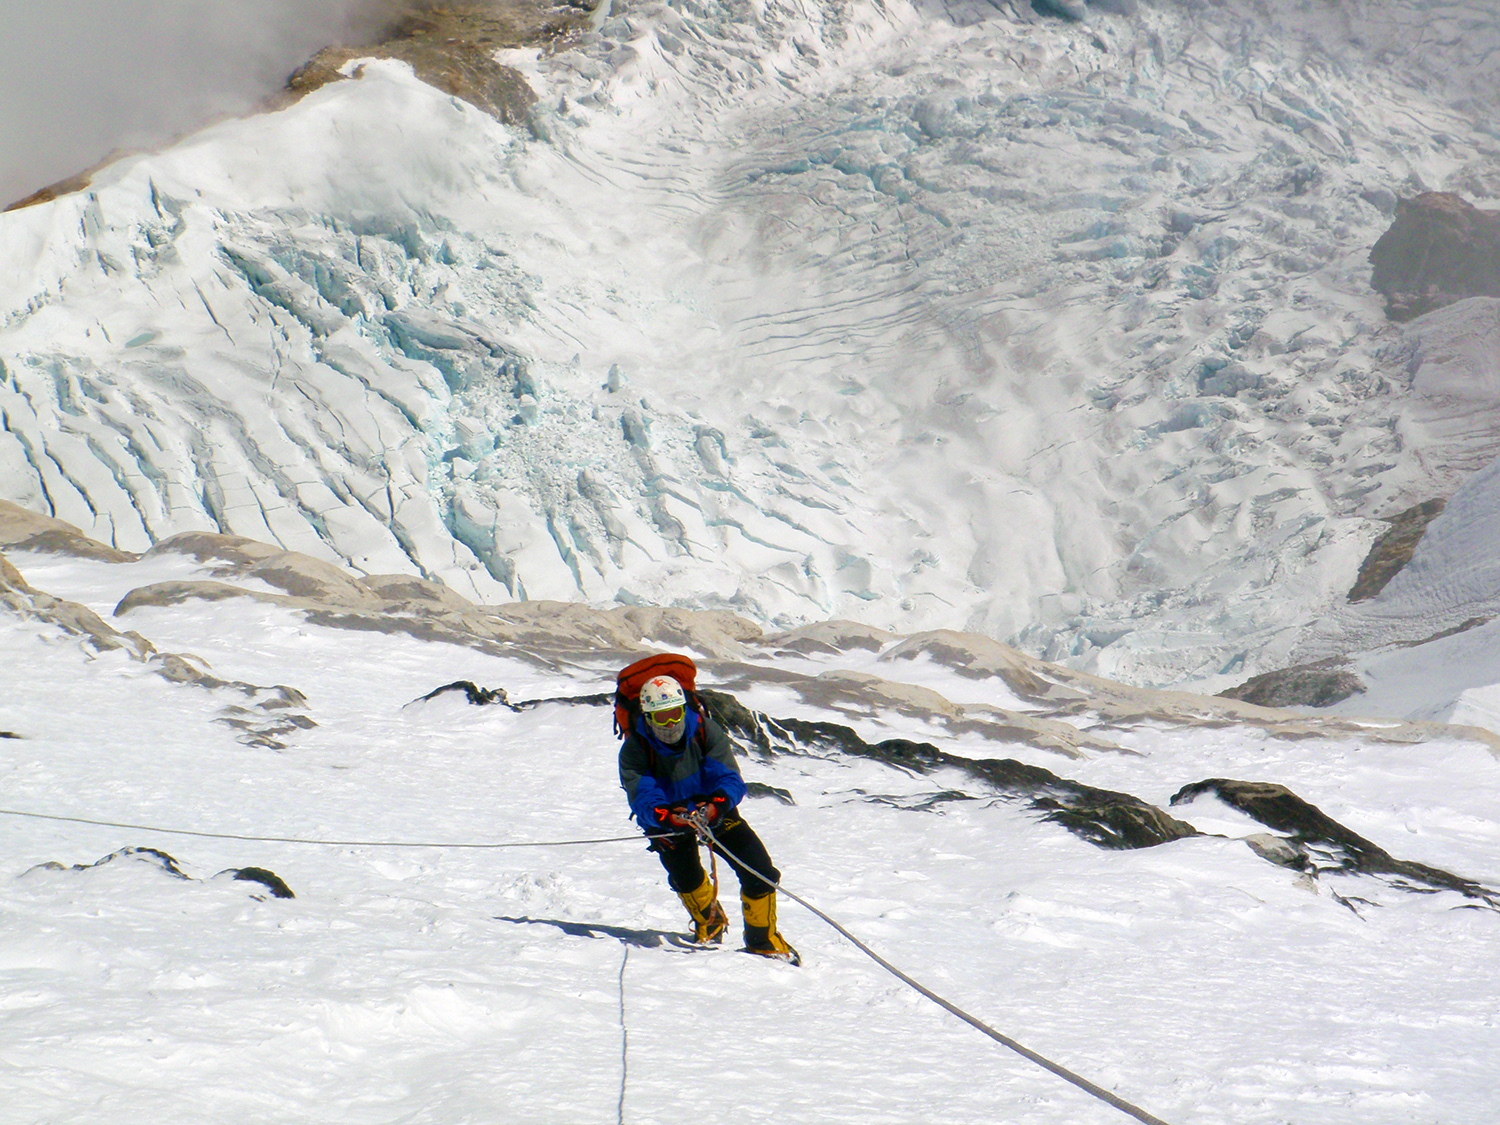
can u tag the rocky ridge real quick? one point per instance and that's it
(452, 46)
(1056, 708)
(1394, 549)
(1441, 249)
(263, 715)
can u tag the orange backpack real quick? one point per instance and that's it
(631, 679)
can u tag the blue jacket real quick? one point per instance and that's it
(656, 774)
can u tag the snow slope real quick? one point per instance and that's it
(922, 315)
(433, 984)
(1426, 643)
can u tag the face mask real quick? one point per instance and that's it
(671, 732)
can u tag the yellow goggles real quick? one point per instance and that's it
(668, 717)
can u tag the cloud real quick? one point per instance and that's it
(80, 78)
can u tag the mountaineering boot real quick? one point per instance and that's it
(709, 919)
(761, 935)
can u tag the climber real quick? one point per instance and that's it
(675, 760)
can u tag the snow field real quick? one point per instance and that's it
(1194, 979)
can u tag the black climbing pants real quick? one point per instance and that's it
(679, 855)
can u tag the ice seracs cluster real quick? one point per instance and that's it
(1058, 332)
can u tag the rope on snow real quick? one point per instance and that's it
(624, 1038)
(973, 1021)
(331, 843)
(1058, 1069)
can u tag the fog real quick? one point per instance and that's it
(80, 78)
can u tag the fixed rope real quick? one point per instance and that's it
(624, 1039)
(700, 824)
(328, 843)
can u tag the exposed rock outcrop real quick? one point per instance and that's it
(155, 858)
(452, 47)
(268, 879)
(150, 856)
(25, 530)
(76, 182)
(1105, 818)
(1102, 817)
(831, 637)
(1316, 843)
(1301, 837)
(1440, 249)
(77, 620)
(1392, 550)
(1307, 685)
(263, 718)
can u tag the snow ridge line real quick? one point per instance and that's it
(331, 843)
(973, 1021)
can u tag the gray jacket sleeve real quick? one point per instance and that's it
(635, 768)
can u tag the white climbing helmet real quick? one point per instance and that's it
(661, 693)
(665, 706)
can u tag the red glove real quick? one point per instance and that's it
(713, 807)
(717, 805)
(675, 816)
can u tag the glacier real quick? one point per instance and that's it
(923, 315)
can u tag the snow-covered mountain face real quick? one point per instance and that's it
(923, 315)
